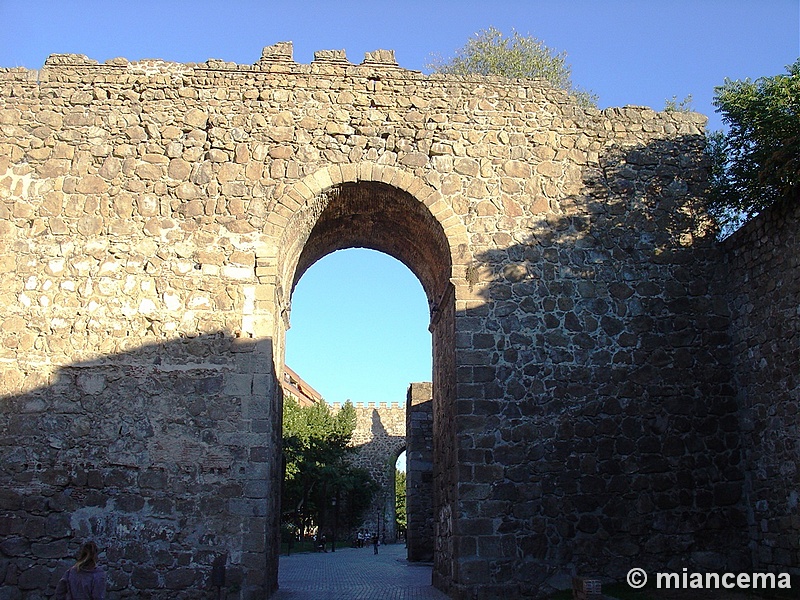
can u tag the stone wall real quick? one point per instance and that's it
(595, 426)
(155, 218)
(378, 439)
(762, 281)
(419, 472)
(159, 453)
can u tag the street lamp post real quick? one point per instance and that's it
(335, 521)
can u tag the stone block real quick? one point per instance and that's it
(144, 578)
(180, 579)
(91, 383)
(215, 155)
(152, 479)
(282, 51)
(49, 550)
(15, 546)
(195, 118)
(32, 578)
(236, 384)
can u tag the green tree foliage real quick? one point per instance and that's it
(758, 160)
(489, 52)
(673, 105)
(320, 485)
(354, 489)
(400, 501)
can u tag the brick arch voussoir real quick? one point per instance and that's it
(311, 186)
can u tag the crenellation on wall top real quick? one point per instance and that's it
(337, 57)
(380, 406)
(380, 57)
(277, 66)
(282, 51)
(275, 58)
(55, 60)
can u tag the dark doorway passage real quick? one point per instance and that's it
(355, 574)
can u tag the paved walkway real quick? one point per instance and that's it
(355, 574)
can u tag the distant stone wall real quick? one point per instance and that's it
(762, 283)
(379, 439)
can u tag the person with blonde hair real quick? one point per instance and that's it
(85, 580)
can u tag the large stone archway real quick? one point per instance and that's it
(155, 217)
(386, 209)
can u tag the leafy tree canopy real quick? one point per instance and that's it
(313, 436)
(400, 501)
(758, 160)
(489, 52)
(315, 445)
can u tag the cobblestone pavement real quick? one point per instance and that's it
(355, 574)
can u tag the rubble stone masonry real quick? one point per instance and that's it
(595, 402)
(378, 440)
(761, 278)
(419, 472)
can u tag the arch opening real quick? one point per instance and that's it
(400, 491)
(359, 328)
(379, 216)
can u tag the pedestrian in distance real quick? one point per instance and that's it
(375, 543)
(85, 580)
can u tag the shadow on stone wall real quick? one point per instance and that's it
(762, 280)
(596, 419)
(377, 452)
(161, 455)
(419, 472)
(600, 421)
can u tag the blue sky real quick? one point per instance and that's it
(359, 319)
